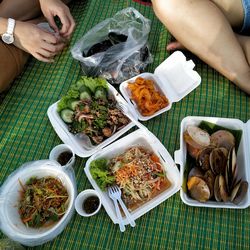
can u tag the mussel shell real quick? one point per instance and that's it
(223, 138)
(198, 189)
(220, 189)
(218, 161)
(209, 177)
(231, 170)
(217, 195)
(203, 158)
(239, 192)
(223, 188)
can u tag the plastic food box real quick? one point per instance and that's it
(146, 139)
(243, 158)
(10, 222)
(174, 77)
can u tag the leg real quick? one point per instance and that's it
(11, 64)
(203, 29)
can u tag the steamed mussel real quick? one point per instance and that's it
(215, 174)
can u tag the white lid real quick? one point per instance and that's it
(177, 76)
(242, 158)
(77, 144)
(140, 137)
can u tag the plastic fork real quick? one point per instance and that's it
(115, 195)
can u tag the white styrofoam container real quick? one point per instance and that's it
(243, 158)
(174, 78)
(67, 137)
(139, 137)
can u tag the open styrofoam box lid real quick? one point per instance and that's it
(175, 78)
(67, 137)
(243, 158)
(140, 137)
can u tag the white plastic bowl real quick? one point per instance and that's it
(10, 222)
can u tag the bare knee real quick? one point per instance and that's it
(173, 12)
(165, 9)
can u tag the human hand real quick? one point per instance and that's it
(52, 8)
(41, 44)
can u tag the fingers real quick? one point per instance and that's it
(52, 23)
(53, 48)
(42, 58)
(68, 23)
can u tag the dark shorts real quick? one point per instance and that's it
(12, 61)
(245, 30)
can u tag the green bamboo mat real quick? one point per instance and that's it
(26, 135)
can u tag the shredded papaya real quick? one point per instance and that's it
(146, 97)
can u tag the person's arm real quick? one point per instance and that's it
(37, 42)
(3, 25)
(52, 8)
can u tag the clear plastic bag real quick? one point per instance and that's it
(128, 55)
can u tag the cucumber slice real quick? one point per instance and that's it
(67, 115)
(73, 104)
(101, 93)
(84, 89)
(85, 96)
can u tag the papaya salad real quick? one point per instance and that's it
(43, 201)
(138, 172)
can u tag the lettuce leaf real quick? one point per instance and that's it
(100, 173)
(91, 83)
(73, 92)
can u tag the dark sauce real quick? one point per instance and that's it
(64, 157)
(91, 204)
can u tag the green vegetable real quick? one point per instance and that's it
(84, 89)
(77, 127)
(67, 115)
(84, 84)
(85, 96)
(100, 173)
(64, 102)
(91, 83)
(101, 93)
(73, 103)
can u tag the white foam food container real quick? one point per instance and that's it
(243, 158)
(69, 138)
(10, 221)
(174, 78)
(139, 137)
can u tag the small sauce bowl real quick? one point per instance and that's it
(88, 203)
(63, 154)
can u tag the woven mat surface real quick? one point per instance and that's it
(26, 135)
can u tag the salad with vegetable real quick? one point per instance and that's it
(88, 108)
(43, 201)
(138, 172)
